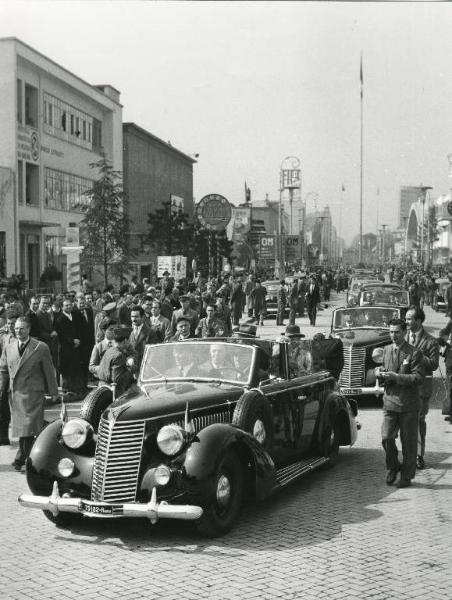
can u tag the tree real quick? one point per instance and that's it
(105, 226)
(170, 232)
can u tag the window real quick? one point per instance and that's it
(19, 101)
(31, 105)
(20, 181)
(63, 191)
(68, 123)
(53, 254)
(31, 184)
(97, 134)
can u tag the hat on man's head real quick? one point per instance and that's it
(245, 330)
(109, 307)
(182, 318)
(122, 332)
(106, 323)
(293, 331)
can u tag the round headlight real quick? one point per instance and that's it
(75, 433)
(170, 439)
(66, 467)
(162, 475)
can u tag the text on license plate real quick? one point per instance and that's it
(350, 391)
(97, 510)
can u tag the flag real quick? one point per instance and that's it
(247, 193)
(361, 74)
(188, 423)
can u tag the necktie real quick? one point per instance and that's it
(21, 348)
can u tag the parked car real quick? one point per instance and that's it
(271, 298)
(192, 445)
(440, 296)
(362, 330)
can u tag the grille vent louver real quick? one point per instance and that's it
(352, 374)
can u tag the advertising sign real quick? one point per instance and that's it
(175, 265)
(239, 225)
(28, 144)
(292, 248)
(214, 212)
(267, 248)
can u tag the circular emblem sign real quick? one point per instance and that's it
(34, 146)
(449, 208)
(214, 212)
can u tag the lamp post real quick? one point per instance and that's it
(383, 241)
(290, 179)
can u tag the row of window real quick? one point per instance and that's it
(63, 191)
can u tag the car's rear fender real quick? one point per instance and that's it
(210, 445)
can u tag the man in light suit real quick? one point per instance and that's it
(26, 367)
(427, 344)
(402, 375)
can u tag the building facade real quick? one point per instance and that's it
(408, 196)
(154, 172)
(53, 126)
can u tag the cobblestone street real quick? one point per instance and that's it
(336, 534)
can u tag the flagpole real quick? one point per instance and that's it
(360, 254)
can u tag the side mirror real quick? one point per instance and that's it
(377, 355)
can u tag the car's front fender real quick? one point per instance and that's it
(210, 445)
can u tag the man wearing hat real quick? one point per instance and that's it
(108, 310)
(300, 358)
(312, 299)
(210, 325)
(245, 330)
(186, 312)
(182, 330)
(113, 366)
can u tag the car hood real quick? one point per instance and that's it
(363, 337)
(156, 400)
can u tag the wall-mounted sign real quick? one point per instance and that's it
(28, 147)
(214, 212)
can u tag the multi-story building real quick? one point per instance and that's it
(53, 126)
(408, 195)
(154, 172)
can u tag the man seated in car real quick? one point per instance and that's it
(220, 363)
(300, 358)
(184, 360)
(347, 320)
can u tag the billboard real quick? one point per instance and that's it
(239, 225)
(292, 248)
(267, 248)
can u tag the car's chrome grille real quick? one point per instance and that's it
(352, 374)
(202, 421)
(117, 461)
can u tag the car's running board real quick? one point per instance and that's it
(286, 475)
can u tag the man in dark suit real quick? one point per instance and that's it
(32, 314)
(402, 375)
(427, 344)
(68, 329)
(312, 299)
(47, 330)
(85, 319)
(26, 369)
(142, 334)
(237, 301)
(113, 366)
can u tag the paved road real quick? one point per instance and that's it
(337, 534)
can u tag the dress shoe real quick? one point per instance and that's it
(403, 483)
(4, 442)
(391, 476)
(420, 463)
(17, 464)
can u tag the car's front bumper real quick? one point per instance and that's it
(152, 510)
(374, 390)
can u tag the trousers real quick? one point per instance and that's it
(407, 424)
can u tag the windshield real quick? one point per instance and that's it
(364, 317)
(383, 295)
(198, 360)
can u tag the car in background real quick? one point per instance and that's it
(192, 440)
(384, 294)
(362, 330)
(271, 299)
(440, 295)
(354, 289)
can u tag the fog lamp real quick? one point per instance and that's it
(66, 467)
(162, 475)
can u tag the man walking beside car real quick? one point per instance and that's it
(312, 299)
(402, 374)
(429, 347)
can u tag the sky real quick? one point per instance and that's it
(246, 84)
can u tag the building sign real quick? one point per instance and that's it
(292, 248)
(72, 238)
(28, 147)
(175, 265)
(239, 225)
(214, 212)
(52, 151)
(267, 248)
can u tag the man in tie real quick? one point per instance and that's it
(402, 375)
(312, 299)
(101, 347)
(427, 344)
(26, 369)
(85, 319)
(141, 334)
(159, 322)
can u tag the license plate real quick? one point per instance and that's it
(96, 509)
(350, 391)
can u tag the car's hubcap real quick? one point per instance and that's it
(259, 431)
(223, 491)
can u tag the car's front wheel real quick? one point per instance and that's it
(223, 509)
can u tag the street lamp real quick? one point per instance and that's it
(290, 179)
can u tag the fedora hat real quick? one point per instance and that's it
(245, 330)
(293, 331)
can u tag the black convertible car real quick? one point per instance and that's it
(209, 424)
